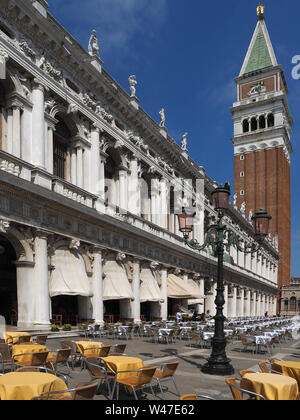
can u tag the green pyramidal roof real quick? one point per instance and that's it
(260, 56)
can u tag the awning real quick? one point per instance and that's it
(149, 290)
(178, 289)
(115, 283)
(69, 274)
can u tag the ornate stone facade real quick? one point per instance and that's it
(89, 186)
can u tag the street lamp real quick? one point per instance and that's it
(220, 237)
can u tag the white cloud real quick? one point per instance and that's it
(118, 22)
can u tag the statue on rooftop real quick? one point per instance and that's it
(162, 117)
(132, 83)
(93, 44)
(184, 141)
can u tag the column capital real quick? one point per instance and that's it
(38, 84)
(42, 234)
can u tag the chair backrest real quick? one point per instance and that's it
(85, 392)
(169, 369)
(24, 339)
(63, 355)
(41, 339)
(236, 393)
(103, 351)
(118, 348)
(68, 344)
(39, 359)
(243, 372)
(96, 328)
(263, 367)
(94, 369)
(145, 375)
(4, 350)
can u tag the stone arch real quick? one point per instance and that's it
(21, 243)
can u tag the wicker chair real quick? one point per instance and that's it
(83, 392)
(247, 342)
(24, 339)
(141, 380)
(62, 357)
(238, 392)
(195, 397)
(75, 353)
(98, 372)
(166, 373)
(35, 359)
(117, 349)
(265, 368)
(96, 352)
(5, 356)
(41, 339)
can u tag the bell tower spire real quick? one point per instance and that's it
(262, 140)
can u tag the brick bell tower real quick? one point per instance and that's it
(262, 147)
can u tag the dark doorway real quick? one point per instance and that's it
(8, 282)
(111, 310)
(145, 311)
(67, 306)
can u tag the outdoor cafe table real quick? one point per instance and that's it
(121, 363)
(13, 337)
(291, 369)
(27, 348)
(89, 345)
(21, 386)
(271, 386)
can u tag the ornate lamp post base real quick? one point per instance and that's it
(222, 368)
(218, 364)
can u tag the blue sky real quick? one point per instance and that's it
(185, 55)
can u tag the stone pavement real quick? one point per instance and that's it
(189, 377)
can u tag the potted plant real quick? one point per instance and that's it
(54, 328)
(67, 327)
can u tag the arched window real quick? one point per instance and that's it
(245, 126)
(145, 189)
(112, 163)
(293, 303)
(253, 124)
(271, 120)
(61, 139)
(262, 122)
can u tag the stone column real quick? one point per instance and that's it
(41, 289)
(232, 302)
(248, 303)
(97, 287)
(134, 195)
(210, 299)
(164, 203)
(240, 303)
(16, 146)
(136, 304)
(123, 185)
(79, 166)
(95, 160)
(225, 310)
(164, 294)
(253, 304)
(38, 125)
(9, 147)
(73, 166)
(26, 294)
(50, 148)
(26, 134)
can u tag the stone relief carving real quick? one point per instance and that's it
(26, 47)
(4, 226)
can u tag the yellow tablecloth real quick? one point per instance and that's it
(26, 385)
(89, 345)
(27, 348)
(271, 386)
(13, 337)
(121, 363)
(291, 369)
